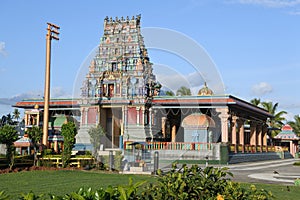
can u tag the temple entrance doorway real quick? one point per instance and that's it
(111, 121)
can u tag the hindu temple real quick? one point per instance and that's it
(121, 93)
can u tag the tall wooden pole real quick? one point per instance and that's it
(52, 33)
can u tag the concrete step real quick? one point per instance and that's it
(252, 157)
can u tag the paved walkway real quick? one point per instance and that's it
(271, 172)
(276, 171)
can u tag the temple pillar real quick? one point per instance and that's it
(26, 119)
(123, 121)
(265, 136)
(233, 133)
(138, 115)
(55, 146)
(173, 137)
(38, 119)
(163, 126)
(241, 124)
(224, 123)
(150, 123)
(143, 116)
(253, 139)
(259, 137)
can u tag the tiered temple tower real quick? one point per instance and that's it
(121, 68)
(119, 83)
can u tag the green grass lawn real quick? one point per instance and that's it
(279, 191)
(64, 182)
(61, 182)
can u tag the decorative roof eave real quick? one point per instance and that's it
(246, 105)
(287, 139)
(211, 101)
(191, 100)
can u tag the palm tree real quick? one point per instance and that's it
(255, 102)
(16, 114)
(9, 120)
(183, 91)
(278, 119)
(295, 124)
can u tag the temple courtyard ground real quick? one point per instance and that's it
(280, 172)
(270, 172)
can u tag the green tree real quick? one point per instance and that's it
(295, 124)
(170, 93)
(256, 102)
(6, 119)
(8, 135)
(68, 131)
(35, 134)
(16, 114)
(183, 91)
(278, 119)
(95, 136)
(9, 119)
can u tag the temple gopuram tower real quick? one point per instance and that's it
(119, 85)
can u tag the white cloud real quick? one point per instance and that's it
(56, 92)
(261, 88)
(272, 3)
(27, 95)
(295, 12)
(2, 48)
(59, 92)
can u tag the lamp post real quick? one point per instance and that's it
(52, 33)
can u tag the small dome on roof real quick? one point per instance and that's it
(205, 91)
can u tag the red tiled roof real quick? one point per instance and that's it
(51, 103)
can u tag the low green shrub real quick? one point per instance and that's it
(4, 196)
(198, 183)
(47, 152)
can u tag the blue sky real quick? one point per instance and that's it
(254, 44)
